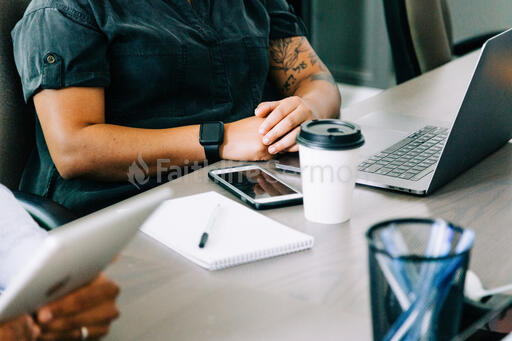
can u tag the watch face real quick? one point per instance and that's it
(212, 133)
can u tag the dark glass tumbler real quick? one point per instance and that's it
(417, 272)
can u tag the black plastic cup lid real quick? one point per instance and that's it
(330, 134)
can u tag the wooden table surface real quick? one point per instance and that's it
(321, 294)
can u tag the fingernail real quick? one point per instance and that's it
(261, 131)
(256, 111)
(266, 140)
(45, 315)
(272, 150)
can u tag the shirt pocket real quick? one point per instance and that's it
(146, 78)
(257, 55)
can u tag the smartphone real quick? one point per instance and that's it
(255, 186)
(288, 162)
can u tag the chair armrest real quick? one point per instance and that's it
(45, 212)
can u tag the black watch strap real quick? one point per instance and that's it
(212, 153)
(211, 136)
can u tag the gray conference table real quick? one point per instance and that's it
(321, 294)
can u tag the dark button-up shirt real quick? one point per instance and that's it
(163, 63)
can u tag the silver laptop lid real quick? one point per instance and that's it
(484, 122)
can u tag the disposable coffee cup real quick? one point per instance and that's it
(329, 154)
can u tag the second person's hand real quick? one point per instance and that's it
(92, 307)
(22, 328)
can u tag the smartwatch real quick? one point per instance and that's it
(211, 137)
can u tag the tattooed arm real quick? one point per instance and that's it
(308, 86)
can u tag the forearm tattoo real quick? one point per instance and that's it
(292, 57)
(285, 53)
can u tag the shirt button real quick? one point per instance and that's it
(50, 59)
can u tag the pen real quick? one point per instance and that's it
(209, 226)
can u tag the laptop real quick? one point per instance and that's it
(416, 155)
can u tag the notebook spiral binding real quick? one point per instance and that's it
(263, 254)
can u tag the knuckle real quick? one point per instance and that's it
(289, 124)
(304, 108)
(296, 98)
(115, 313)
(264, 126)
(279, 113)
(115, 289)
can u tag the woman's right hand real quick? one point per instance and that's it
(242, 142)
(22, 328)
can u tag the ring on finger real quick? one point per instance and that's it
(84, 332)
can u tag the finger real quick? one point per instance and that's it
(293, 149)
(97, 292)
(94, 332)
(265, 108)
(22, 327)
(99, 315)
(288, 141)
(268, 188)
(287, 124)
(33, 329)
(275, 117)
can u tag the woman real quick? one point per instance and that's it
(118, 81)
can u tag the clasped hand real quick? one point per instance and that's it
(272, 130)
(282, 123)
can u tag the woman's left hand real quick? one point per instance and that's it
(282, 123)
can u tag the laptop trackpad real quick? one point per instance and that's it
(382, 129)
(378, 139)
(394, 121)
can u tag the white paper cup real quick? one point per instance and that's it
(329, 153)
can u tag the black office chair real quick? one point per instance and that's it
(420, 35)
(17, 125)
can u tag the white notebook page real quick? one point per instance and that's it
(240, 235)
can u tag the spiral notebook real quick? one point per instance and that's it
(239, 235)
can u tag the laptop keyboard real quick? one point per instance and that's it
(410, 159)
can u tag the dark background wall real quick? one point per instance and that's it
(351, 38)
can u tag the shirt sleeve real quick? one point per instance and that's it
(56, 48)
(284, 22)
(20, 236)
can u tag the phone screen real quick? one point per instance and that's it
(257, 184)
